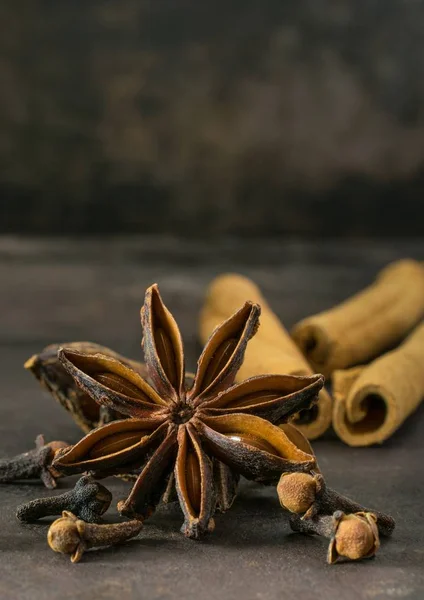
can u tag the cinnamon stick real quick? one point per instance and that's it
(370, 403)
(270, 351)
(367, 324)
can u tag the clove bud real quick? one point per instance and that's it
(70, 535)
(352, 536)
(308, 494)
(36, 463)
(88, 500)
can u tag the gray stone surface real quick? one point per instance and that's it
(59, 291)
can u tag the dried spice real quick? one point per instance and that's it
(88, 500)
(352, 536)
(367, 324)
(34, 464)
(372, 402)
(49, 371)
(308, 494)
(205, 435)
(70, 535)
(272, 350)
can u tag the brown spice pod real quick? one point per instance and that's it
(270, 351)
(370, 403)
(48, 370)
(367, 324)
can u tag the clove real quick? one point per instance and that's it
(36, 463)
(308, 494)
(352, 536)
(70, 535)
(88, 500)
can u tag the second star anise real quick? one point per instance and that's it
(200, 438)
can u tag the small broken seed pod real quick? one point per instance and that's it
(296, 491)
(252, 440)
(88, 500)
(356, 536)
(70, 535)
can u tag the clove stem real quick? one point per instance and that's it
(33, 464)
(70, 535)
(352, 536)
(308, 494)
(88, 500)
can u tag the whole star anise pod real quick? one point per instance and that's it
(199, 439)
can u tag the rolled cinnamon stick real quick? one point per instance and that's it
(370, 403)
(270, 351)
(367, 324)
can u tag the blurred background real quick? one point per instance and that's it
(212, 118)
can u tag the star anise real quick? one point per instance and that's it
(201, 438)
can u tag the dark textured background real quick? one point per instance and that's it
(213, 117)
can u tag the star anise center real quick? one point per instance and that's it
(181, 413)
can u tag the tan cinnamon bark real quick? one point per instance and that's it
(370, 403)
(367, 324)
(270, 351)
